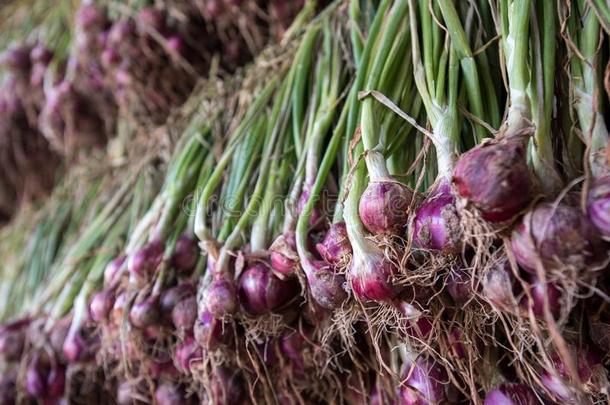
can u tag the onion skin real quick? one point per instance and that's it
(499, 286)
(227, 387)
(185, 254)
(184, 314)
(283, 256)
(143, 262)
(559, 236)
(11, 344)
(101, 305)
(260, 291)
(111, 273)
(459, 284)
(423, 383)
(8, 388)
(145, 313)
(511, 394)
(538, 291)
(186, 353)
(588, 364)
(598, 205)
(336, 247)
(325, 286)
(370, 276)
(44, 380)
(172, 296)
(436, 224)
(494, 177)
(383, 207)
(170, 394)
(221, 297)
(211, 332)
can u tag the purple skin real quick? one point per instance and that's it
(101, 305)
(74, 348)
(587, 363)
(11, 344)
(457, 343)
(170, 394)
(282, 264)
(383, 207)
(436, 225)
(511, 394)
(283, 247)
(175, 45)
(185, 254)
(495, 179)
(499, 286)
(598, 205)
(538, 292)
(120, 32)
(221, 297)
(150, 18)
(556, 237)
(423, 383)
(415, 324)
(163, 370)
(371, 278)
(143, 262)
(8, 388)
(44, 380)
(41, 54)
(336, 247)
(294, 345)
(261, 291)
(90, 17)
(459, 284)
(173, 295)
(211, 332)
(184, 314)
(17, 59)
(187, 352)
(145, 312)
(325, 286)
(227, 387)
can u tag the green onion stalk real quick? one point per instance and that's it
(488, 176)
(435, 224)
(585, 74)
(218, 295)
(283, 255)
(324, 284)
(382, 205)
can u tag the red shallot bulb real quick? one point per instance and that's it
(494, 177)
(383, 207)
(261, 291)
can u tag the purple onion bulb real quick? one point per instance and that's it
(143, 262)
(371, 277)
(101, 305)
(511, 394)
(423, 383)
(598, 205)
(383, 207)
(436, 224)
(336, 247)
(184, 314)
(185, 254)
(494, 177)
(221, 297)
(325, 285)
(261, 291)
(557, 237)
(145, 312)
